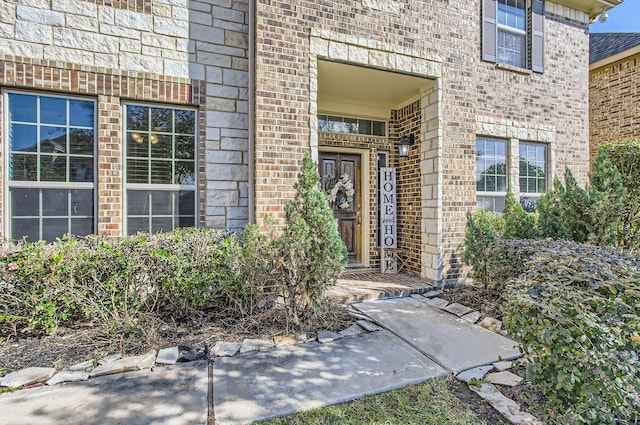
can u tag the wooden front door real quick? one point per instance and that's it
(335, 167)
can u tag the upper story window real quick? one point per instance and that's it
(335, 124)
(513, 33)
(161, 173)
(51, 166)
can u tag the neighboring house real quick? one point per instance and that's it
(614, 88)
(121, 116)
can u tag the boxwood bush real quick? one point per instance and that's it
(576, 312)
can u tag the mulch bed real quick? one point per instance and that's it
(485, 300)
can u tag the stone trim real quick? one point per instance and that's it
(141, 6)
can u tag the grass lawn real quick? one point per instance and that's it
(429, 403)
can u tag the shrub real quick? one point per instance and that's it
(312, 254)
(518, 224)
(625, 156)
(575, 311)
(584, 215)
(480, 245)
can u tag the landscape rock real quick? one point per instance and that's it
(438, 302)
(368, 326)
(503, 365)
(419, 297)
(475, 373)
(351, 331)
(432, 293)
(27, 376)
(225, 349)
(472, 317)
(127, 364)
(255, 345)
(326, 337)
(358, 316)
(168, 355)
(458, 309)
(68, 376)
(284, 340)
(491, 324)
(187, 354)
(505, 378)
(109, 359)
(88, 365)
(504, 405)
(302, 337)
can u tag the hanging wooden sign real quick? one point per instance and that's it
(388, 219)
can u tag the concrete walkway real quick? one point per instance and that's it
(418, 343)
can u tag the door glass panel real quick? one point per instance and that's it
(328, 173)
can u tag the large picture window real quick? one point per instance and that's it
(161, 172)
(51, 166)
(491, 174)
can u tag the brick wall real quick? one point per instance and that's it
(614, 102)
(169, 51)
(446, 36)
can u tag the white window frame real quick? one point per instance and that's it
(156, 186)
(495, 194)
(535, 195)
(516, 31)
(372, 120)
(21, 184)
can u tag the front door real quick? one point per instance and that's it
(341, 174)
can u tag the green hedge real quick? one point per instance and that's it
(576, 312)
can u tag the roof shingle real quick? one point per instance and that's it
(605, 44)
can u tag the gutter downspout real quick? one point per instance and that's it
(252, 111)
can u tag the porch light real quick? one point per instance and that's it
(404, 144)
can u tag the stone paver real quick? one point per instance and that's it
(472, 317)
(433, 293)
(68, 376)
(225, 349)
(453, 342)
(284, 340)
(504, 405)
(249, 345)
(475, 373)
(168, 355)
(128, 364)
(458, 309)
(326, 337)
(262, 385)
(27, 376)
(368, 326)
(437, 302)
(176, 395)
(89, 364)
(491, 324)
(502, 366)
(109, 359)
(505, 378)
(351, 331)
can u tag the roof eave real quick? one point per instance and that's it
(614, 58)
(591, 7)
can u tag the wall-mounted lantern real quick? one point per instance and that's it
(404, 144)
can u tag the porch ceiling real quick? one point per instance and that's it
(592, 7)
(347, 84)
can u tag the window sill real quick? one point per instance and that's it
(512, 68)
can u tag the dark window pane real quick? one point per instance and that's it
(81, 142)
(186, 202)
(55, 202)
(81, 226)
(25, 202)
(161, 146)
(161, 224)
(137, 118)
(23, 167)
(161, 202)
(161, 119)
(81, 113)
(137, 171)
(138, 202)
(53, 168)
(185, 122)
(53, 139)
(365, 127)
(81, 169)
(184, 221)
(379, 128)
(23, 107)
(161, 172)
(23, 137)
(137, 145)
(185, 173)
(185, 147)
(82, 202)
(53, 228)
(28, 228)
(53, 110)
(136, 224)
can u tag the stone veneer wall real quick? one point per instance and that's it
(435, 39)
(614, 102)
(176, 52)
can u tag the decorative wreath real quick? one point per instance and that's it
(341, 194)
